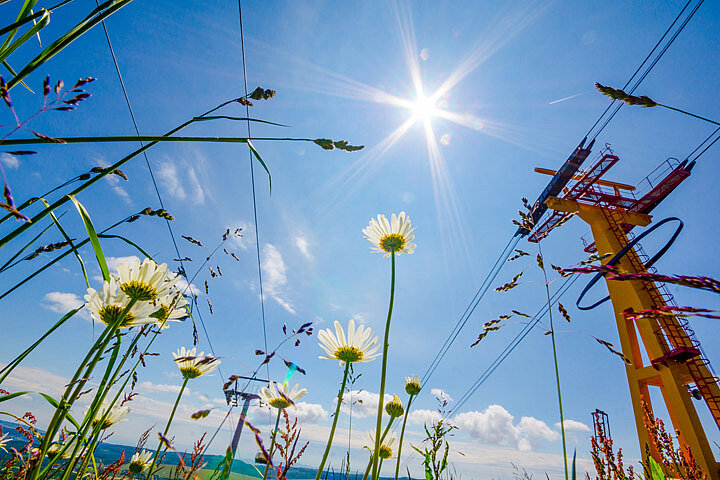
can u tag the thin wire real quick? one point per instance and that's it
(152, 176)
(252, 180)
(702, 143)
(462, 321)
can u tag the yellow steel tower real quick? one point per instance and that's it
(676, 366)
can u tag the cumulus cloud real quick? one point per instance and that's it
(424, 417)
(275, 278)
(496, 426)
(573, 426)
(63, 302)
(159, 387)
(364, 403)
(302, 244)
(305, 413)
(187, 288)
(441, 395)
(9, 161)
(114, 262)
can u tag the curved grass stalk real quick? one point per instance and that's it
(70, 242)
(386, 344)
(10, 264)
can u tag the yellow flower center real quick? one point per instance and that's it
(190, 371)
(348, 354)
(139, 291)
(111, 314)
(392, 243)
(385, 452)
(279, 403)
(162, 313)
(136, 467)
(105, 423)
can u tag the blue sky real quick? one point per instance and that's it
(527, 94)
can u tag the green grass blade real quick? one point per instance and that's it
(42, 23)
(574, 470)
(227, 117)
(29, 18)
(13, 72)
(92, 235)
(129, 242)
(96, 16)
(262, 162)
(11, 366)
(27, 245)
(24, 12)
(70, 242)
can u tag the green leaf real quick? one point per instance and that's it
(70, 242)
(226, 117)
(42, 23)
(259, 159)
(24, 11)
(129, 242)
(96, 16)
(656, 470)
(10, 396)
(93, 238)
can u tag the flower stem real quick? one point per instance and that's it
(557, 370)
(167, 428)
(272, 444)
(372, 455)
(386, 344)
(334, 424)
(402, 434)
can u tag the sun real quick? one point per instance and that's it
(423, 109)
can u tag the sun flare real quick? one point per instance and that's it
(423, 108)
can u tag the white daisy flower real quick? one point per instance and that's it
(193, 366)
(57, 446)
(386, 448)
(4, 439)
(393, 236)
(169, 307)
(278, 395)
(413, 385)
(107, 304)
(147, 280)
(139, 461)
(116, 415)
(358, 347)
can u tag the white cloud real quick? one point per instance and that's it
(573, 426)
(495, 426)
(198, 193)
(159, 387)
(63, 302)
(364, 403)
(114, 262)
(9, 161)
(423, 416)
(305, 413)
(114, 181)
(168, 175)
(302, 244)
(275, 279)
(187, 288)
(441, 395)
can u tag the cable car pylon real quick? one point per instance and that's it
(677, 367)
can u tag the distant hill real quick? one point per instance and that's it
(108, 453)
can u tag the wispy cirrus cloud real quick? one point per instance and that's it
(275, 276)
